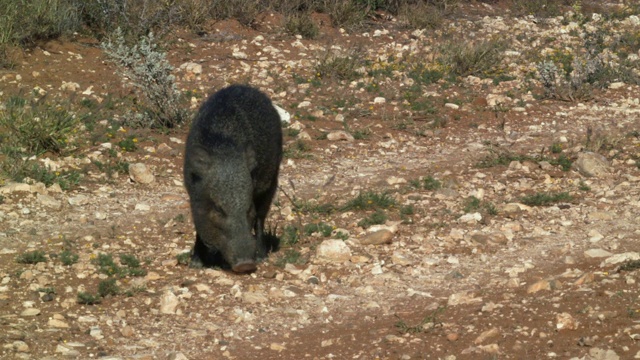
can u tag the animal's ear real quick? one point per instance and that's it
(250, 158)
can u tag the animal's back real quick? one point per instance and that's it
(242, 117)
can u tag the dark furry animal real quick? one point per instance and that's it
(231, 165)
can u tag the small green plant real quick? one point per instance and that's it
(184, 258)
(370, 200)
(322, 228)
(429, 321)
(36, 126)
(128, 144)
(563, 161)
(583, 186)
(347, 14)
(132, 266)
(32, 257)
(108, 287)
(290, 235)
(149, 72)
(556, 148)
(629, 265)
(545, 199)
(297, 150)
(471, 204)
(106, 265)
(86, 298)
(301, 24)
(290, 256)
(68, 258)
(378, 217)
(482, 59)
(431, 183)
(407, 210)
(47, 290)
(341, 67)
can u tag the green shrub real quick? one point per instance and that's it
(149, 72)
(378, 217)
(322, 228)
(370, 200)
(301, 24)
(545, 199)
(108, 287)
(34, 127)
(464, 58)
(32, 257)
(337, 66)
(68, 258)
(88, 299)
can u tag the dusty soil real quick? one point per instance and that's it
(494, 280)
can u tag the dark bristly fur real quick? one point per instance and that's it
(232, 158)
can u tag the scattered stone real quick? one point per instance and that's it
(49, 201)
(285, 117)
(78, 200)
(620, 258)
(339, 135)
(592, 165)
(543, 285)
(565, 321)
(333, 250)
(463, 298)
(30, 312)
(254, 298)
(597, 253)
(379, 237)
(139, 173)
(493, 332)
(168, 302)
(602, 354)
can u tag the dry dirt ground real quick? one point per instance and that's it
(453, 277)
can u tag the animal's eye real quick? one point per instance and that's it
(216, 209)
(195, 178)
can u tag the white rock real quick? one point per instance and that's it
(379, 100)
(592, 164)
(333, 250)
(285, 117)
(616, 85)
(49, 201)
(78, 200)
(140, 173)
(620, 258)
(142, 207)
(69, 86)
(452, 106)
(597, 253)
(339, 135)
(470, 218)
(168, 302)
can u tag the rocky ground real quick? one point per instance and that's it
(491, 248)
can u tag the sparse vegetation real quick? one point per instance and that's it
(545, 199)
(184, 258)
(108, 287)
(370, 200)
(68, 258)
(86, 298)
(378, 217)
(146, 68)
(32, 257)
(430, 321)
